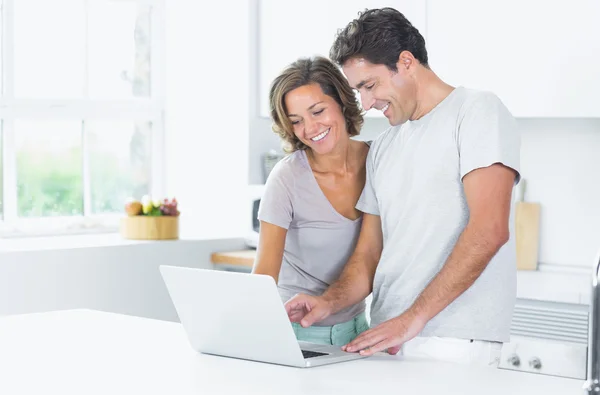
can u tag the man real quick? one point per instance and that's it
(435, 247)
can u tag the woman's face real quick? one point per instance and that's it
(317, 119)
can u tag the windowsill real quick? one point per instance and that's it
(61, 242)
(60, 226)
(67, 242)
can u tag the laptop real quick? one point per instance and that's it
(241, 315)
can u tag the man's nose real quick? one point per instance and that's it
(367, 101)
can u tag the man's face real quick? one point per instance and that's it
(391, 92)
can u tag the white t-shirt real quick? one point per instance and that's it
(414, 182)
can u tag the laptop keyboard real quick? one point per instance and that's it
(312, 354)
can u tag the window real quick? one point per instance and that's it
(81, 111)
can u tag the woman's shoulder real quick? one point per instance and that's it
(292, 162)
(287, 168)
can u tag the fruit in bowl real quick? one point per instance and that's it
(169, 207)
(147, 204)
(133, 207)
(151, 207)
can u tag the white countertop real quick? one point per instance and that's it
(90, 352)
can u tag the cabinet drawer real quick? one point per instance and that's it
(543, 356)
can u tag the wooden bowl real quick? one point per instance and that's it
(142, 227)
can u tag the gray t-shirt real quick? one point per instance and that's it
(414, 182)
(319, 240)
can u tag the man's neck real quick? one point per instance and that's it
(431, 91)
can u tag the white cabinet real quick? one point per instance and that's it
(292, 29)
(542, 58)
(543, 356)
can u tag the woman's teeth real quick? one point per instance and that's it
(385, 108)
(320, 136)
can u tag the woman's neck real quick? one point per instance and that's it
(338, 160)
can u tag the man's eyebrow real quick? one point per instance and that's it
(362, 83)
(309, 108)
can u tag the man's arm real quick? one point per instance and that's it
(488, 192)
(355, 282)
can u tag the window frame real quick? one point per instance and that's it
(150, 109)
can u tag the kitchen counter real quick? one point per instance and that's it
(242, 258)
(91, 352)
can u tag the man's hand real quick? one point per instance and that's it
(388, 335)
(307, 309)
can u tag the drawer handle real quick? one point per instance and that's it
(535, 363)
(514, 360)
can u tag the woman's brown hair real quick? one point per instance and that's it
(306, 71)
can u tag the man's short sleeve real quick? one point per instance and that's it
(488, 134)
(367, 203)
(276, 202)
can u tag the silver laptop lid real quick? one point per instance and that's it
(233, 314)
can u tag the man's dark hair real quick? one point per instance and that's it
(379, 36)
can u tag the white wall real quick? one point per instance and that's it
(262, 139)
(122, 279)
(560, 158)
(207, 101)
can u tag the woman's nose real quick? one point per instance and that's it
(310, 127)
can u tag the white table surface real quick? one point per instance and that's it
(90, 352)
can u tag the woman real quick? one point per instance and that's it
(308, 221)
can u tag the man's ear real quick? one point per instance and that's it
(405, 60)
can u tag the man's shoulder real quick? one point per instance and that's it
(477, 99)
(381, 142)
